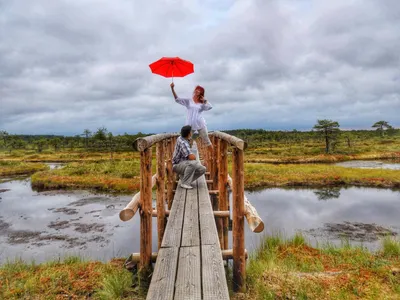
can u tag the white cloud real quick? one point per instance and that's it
(70, 65)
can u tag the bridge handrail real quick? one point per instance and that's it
(143, 143)
(233, 140)
(220, 180)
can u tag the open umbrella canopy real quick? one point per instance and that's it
(172, 67)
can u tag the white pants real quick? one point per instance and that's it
(203, 134)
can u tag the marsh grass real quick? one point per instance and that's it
(116, 286)
(95, 170)
(289, 268)
(121, 168)
(65, 156)
(70, 278)
(269, 175)
(9, 168)
(391, 247)
(121, 176)
(257, 157)
(309, 150)
(283, 151)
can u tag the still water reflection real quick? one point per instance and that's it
(307, 210)
(370, 164)
(46, 225)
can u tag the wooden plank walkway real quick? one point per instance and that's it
(189, 263)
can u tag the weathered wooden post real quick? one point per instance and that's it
(170, 175)
(199, 143)
(174, 175)
(206, 157)
(146, 210)
(216, 142)
(211, 166)
(215, 186)
(222, 187)
(239, 256)
(160, 191)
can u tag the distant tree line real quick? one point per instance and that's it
(326, 130)
(99, 140)
(104, 140)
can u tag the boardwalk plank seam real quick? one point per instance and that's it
(214, 280)
(190, 232)
(161, 287)
(188, 283)
(173, 231)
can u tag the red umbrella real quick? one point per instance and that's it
(172, 67)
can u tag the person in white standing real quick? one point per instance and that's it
(194, 109)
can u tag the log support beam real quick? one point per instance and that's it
(239, 258)
(145, 212)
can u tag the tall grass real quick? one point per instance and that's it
(289, 268)
(70, 278)
(391, 247)
(115, 286)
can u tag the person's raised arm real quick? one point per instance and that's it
(173, 90)
(182, 101)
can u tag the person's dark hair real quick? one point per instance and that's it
(185, 131)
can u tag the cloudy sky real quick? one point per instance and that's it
(68, 65)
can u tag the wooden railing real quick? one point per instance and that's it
(142, 201)
(241, 207)
(220, 180)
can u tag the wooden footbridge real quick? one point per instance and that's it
(193, 225)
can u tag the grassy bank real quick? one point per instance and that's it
(112, 176)
(268, 175)
(123, 176)
(321, 158)
(9, 168)
(279, 269)
(71, 278)
(291, 269)
(65, 156)
(284, 148)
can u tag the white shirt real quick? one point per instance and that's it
(194, 110)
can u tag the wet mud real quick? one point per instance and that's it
(59, 225)
(41, 226)
(3, 227)
(65, 210)
(89, 200)
(86, 228)
(356, 231)
(37, 238)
